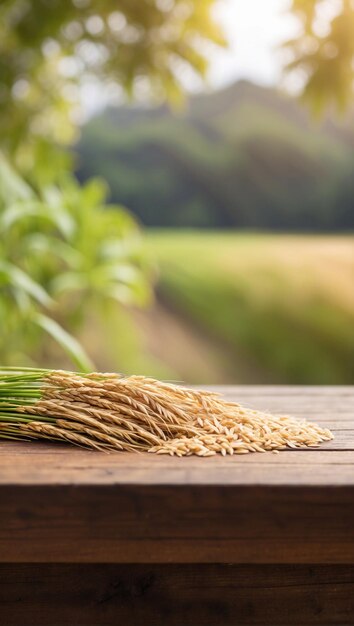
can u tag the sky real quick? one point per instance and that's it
(254, 29)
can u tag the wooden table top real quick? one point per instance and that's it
(331, 464)
(66, 504)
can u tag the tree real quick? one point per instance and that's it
(323, 51)
(49, 47)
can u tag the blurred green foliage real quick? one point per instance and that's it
(322, 54)
(49, 48)
(63, 253)
(245, 156)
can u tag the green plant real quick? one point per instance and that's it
(63, 252)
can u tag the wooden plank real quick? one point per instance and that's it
(285, 390)
(306, 400)
(58, 503)
(181, 524)
(39, 464)
(156, 595)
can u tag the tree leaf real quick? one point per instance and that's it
(19, 211)
(12, 186)
(20, 279)
(67, 342)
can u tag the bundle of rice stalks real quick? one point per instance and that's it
(134, 413)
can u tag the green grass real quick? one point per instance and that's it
(285, 300)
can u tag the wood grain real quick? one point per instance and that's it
(181, 524)
(175, 595)
(36, 465)
(61, 504)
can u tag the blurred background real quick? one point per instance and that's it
(177, 188)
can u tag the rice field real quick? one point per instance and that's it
(284, 303)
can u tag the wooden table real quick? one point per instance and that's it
(97, 539)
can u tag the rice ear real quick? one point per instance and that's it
(113, 412)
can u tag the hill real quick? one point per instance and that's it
(245, 156)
